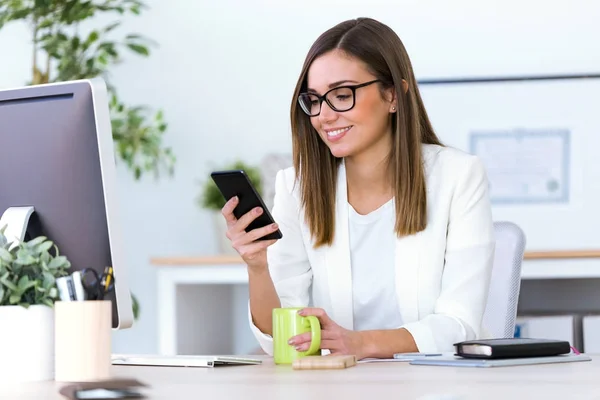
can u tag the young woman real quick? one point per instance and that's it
(387, 233)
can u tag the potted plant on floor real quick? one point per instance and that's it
(28, 273)
(211, 199)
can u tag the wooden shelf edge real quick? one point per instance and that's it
(561, 254)
(234, 259)
(196, 260)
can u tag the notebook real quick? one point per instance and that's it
(512, 348)
(456, 361)
(181, 360)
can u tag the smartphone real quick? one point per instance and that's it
(237, 183)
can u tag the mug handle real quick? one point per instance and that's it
(315, 331)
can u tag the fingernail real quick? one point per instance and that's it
(291, 341)
(258, 211)
(273, 226)
(299, 348)
(301, 312)
(234, 199)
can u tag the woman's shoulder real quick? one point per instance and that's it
(286, 178)
(286, 183)
(448, 160)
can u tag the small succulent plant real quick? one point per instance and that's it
(28, 271)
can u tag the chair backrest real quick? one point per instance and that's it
(503, 297)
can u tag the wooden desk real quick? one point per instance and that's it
(374, 380)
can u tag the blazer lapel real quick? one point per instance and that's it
(337, 259)
(408, 262)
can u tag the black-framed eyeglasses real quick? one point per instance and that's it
(340, 99)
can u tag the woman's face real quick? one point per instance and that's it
(367, 126)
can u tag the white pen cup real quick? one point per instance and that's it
(82, 335)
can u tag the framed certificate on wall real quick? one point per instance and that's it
(525, 165)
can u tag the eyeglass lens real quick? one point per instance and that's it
(340, 99)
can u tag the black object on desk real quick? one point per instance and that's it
(97, 286)
(118, 388)
(511, 348)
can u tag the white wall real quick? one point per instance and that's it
(225, 72)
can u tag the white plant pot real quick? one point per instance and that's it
(26, 343)
(224, 244)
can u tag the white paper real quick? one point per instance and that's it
(525, 166)
(372, 360)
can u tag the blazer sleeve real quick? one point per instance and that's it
(470, 246)
(289, 266)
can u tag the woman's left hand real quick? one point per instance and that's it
(333, 337)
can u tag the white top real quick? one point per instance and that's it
(372, 251)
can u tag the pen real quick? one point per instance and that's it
(108, 271)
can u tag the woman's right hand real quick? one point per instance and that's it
(253, 251)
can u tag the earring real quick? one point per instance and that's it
(393, 108)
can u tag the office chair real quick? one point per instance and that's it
(503, 296)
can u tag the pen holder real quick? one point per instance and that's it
(82, 334)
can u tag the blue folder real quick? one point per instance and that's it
(456, 361)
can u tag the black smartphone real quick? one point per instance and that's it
(237, 183)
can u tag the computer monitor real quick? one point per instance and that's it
(58, 177)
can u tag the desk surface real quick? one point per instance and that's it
(372, 380)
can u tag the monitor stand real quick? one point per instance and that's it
(16, 221)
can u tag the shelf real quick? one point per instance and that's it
(234, 259)
(559, 264)
(195, 260)
(561, 254)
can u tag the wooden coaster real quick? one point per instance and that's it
(324, 362)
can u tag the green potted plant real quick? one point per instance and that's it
(81, 39)
(28, 273)
(212, 200)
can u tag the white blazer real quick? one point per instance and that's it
(442, 273)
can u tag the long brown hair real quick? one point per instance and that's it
(382, 51)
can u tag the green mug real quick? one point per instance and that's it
(288, 323)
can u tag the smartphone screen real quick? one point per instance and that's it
(237, 183)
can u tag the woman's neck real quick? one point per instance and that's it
(368, 181)
(367, 175)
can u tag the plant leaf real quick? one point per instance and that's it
(25, 260)
(138, 48)
(44, 247)
(34, 242)
(112, 26)
(5, 255)
(11, 286)
(14, 298)
(49, 280)
(57, 262)
(23, 282)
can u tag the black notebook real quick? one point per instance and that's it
(511, 348)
